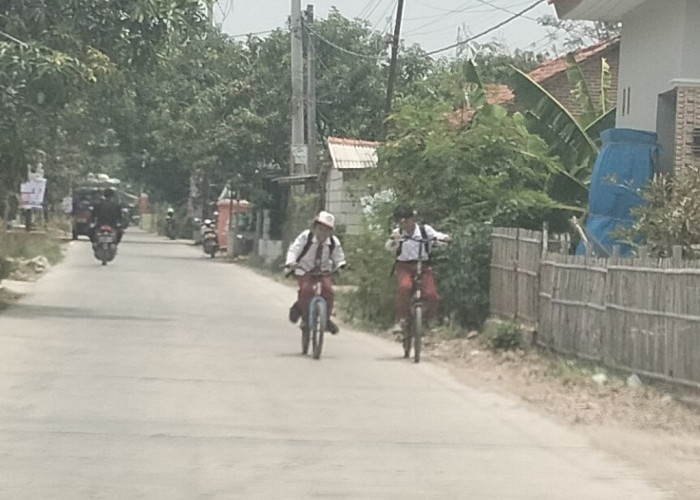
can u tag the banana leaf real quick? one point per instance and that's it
(581, 92)
(549, 119)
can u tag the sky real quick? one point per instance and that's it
(433, 24)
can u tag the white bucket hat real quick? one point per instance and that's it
(326, 218)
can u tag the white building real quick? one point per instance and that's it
(659, 83)
(349, 158)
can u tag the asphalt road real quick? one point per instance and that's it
(166, 375)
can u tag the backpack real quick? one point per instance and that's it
(309, 242)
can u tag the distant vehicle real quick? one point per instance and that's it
(105, 246)
(86, 195)
(210, 241)
(84, 199)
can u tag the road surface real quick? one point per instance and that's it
(166, 375)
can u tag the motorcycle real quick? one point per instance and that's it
(210, 240)
(170, 228)
(105, 246)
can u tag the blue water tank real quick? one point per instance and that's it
(624, 167)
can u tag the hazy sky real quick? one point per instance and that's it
(433, 24)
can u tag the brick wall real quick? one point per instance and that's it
(687, 128)
(559, 86)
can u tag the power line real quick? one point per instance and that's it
(490, 30)
(338, 47)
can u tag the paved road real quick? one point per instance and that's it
(166, 375)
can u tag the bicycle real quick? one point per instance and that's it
(312, 332)
(413, 331)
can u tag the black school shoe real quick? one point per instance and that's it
(331, 327)
(294, 313)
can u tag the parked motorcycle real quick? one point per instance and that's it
(210, 240)
(105, 246)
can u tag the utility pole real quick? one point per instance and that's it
(210, 11)
(392, 66)
(298, 162)
(310, 91)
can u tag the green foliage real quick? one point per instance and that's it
(462, 271)
(575, 140)
(574, 35)
(492, 170)
(303, 209)
(373, 300)
(670, 215)
(506, 337)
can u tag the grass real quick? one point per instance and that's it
(21, 245)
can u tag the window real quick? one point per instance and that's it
(696, 142)
(626, 100)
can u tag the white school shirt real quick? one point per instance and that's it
(411, 248)
(329, 262)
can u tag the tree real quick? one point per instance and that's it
(575, 35)
(575, 141)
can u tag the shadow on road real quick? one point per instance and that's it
(27, 311)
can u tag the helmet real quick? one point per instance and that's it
(171, 211)
(403, 212)
(326, 219)
(108, 193)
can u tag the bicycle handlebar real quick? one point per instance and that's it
(290, 271)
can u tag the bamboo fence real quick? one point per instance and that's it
(638, 314)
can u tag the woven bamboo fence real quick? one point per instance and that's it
(515, 267)
(639, 314)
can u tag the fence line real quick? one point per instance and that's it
(640, 314)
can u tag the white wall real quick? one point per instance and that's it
(653, 38)
(340, 203)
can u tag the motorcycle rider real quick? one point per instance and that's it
(315, 249)
(107, 213)
(170, 223)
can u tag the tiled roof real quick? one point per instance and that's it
(352, 154)
(553, 67)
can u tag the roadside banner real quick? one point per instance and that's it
(32, 194)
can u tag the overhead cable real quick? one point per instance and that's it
(490, 30)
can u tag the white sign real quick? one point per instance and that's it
(32, 193)
(300, 155)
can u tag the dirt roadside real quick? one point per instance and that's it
(655, 430)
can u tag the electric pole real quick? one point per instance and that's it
(392, 66)
(310, 91)
(298, 162)
(210, 11)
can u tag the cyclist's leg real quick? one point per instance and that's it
(329, 296)
(304, 295)
(430, 295)
(404, 278)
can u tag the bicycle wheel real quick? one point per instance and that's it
(417, 332)
(305, 339)
(318, 327)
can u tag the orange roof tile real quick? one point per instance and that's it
(553, 67)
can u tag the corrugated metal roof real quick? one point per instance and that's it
(351, 154)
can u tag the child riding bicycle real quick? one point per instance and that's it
(314, 251)
(406, 241)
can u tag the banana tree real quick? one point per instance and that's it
(575, 140)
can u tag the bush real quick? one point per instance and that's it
(463, 275)
(670, 215)
(375, 294)
(506, 337)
